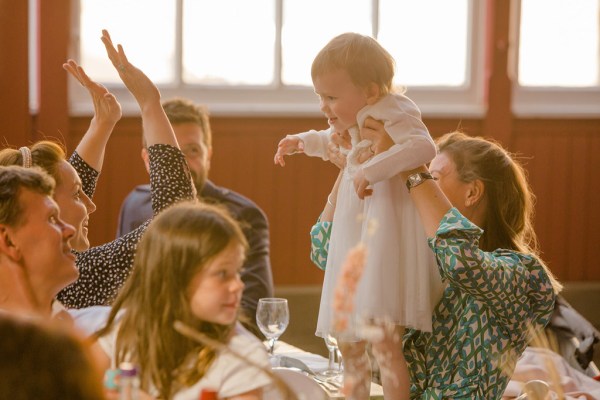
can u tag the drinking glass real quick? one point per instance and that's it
(272, 317)
(332, 347)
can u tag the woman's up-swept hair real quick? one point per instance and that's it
(365, 60)
(510, 200)
(45, 154)
(177, 245)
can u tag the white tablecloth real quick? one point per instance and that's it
(318, 363)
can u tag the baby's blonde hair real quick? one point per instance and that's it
(365, 60)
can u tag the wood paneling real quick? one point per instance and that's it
(562, 158)
(498, 87)
(54, 29)
(14, 84)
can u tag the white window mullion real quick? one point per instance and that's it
(375, 18)
(178, 61)
(277, 81)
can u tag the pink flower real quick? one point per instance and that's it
(345, 289)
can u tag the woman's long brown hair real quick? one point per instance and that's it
(510, 201)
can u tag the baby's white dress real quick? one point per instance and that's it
(400, 282)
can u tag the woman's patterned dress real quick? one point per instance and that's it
(481, 325)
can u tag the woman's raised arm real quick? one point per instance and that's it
(107, 112)
(156, 126)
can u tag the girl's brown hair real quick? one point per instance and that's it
(177, 245)
(45, 154)
(509, 198)
(45, 360)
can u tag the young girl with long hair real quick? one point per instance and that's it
(187, 269)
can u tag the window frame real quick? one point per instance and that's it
(279, 100)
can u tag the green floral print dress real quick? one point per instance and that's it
(482, 323)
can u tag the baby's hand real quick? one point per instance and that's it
(361, 184)
(288, 145)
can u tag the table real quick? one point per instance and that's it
(319, 363)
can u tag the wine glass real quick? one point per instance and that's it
(332, 347)
(272, 317)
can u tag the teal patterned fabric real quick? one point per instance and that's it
(319, 236)
(480, 326)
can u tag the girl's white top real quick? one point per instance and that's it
(228, 375)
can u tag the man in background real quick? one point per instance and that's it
(192, 128)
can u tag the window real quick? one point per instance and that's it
(253, 57)
(558, 71)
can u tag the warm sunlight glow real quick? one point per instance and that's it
(229, 42)
(305, 31)
(149, 41)
(429, 40)
(559, 43)
(233, 42)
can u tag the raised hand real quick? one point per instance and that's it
(106, 107)
(288, 145)
(156, 126)
(107, 112)
(140, 86)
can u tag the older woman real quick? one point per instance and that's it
(476, 207)
(35, 255)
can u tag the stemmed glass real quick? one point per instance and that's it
(272, 317)
(332, 347)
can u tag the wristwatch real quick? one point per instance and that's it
(415, 180)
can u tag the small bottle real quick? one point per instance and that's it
(129, 381)
(111, 382)
(208, 394)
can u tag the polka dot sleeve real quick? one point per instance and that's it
(87, 174)
(104, 269)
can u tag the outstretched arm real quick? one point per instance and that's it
(156, 126)
(107, 112)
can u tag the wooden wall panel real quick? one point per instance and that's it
(53, 37)
(14, 85)
(564, 170)
(243, 149)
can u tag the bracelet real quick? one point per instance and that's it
(329, 201)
